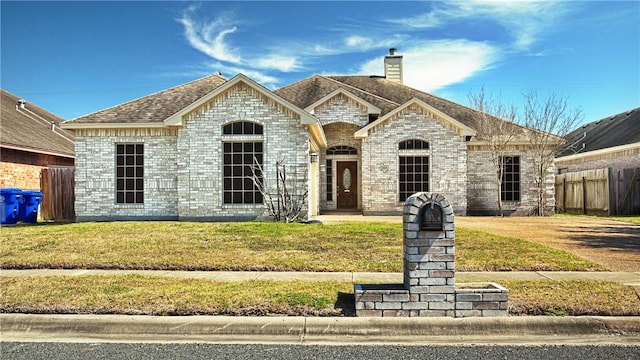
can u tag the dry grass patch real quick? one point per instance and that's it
(205, 246)
(137, 295)
(573, 298)
(355, 246)
(481, 251)
(146, 295)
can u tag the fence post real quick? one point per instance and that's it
(564, 194)
(584, 195)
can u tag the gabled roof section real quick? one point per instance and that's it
(461, 128)
(371, 109)
(306, 119)
(376, 90)
(150, 110)
(30, 129)
(306, 92)
(177, 118)
(613, 131)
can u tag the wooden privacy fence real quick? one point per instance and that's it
(599, 192)
(57, 186)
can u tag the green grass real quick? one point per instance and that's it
(355, 246)
(135, 294)
(573, 298)
(481, 251)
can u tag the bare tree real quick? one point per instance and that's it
(496, 128)
(290, 197)
(548, 121)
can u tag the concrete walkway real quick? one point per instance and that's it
(626, 278)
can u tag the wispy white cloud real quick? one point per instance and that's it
(524, 21)
(209, 37)
(432, 65)
(212, 38)
(428, 65)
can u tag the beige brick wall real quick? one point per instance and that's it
(24, 177)
(447, 157)
(483, 191)
(340, 108)
(200, 151)
(95, 174)
(183, 166)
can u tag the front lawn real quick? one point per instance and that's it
(354, 246)
(135, 294)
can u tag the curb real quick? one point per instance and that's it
(21, 327)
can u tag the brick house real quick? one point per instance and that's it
(599, 168)
(612, 142)
(30, 139)
(357, 143)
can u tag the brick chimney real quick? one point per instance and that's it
(393, 66)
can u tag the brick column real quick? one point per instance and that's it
(429, 258)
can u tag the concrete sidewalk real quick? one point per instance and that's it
(626, 278)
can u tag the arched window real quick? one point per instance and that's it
(413, 144)
(242, 128)
(239, 159)
(342, 150)
(413, 168)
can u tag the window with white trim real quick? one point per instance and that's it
(239, 159)
(413, 168)
(130, 173)
(510, 188)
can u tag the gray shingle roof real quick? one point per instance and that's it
(386, 95)
(617, 130)
(155, 107)
(29, 129)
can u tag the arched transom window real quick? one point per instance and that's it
(413, 144)
(342, 150)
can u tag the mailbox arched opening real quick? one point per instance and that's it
(431, 217)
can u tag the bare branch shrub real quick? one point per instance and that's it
(286, 201)
(497, 129)
(553, 120)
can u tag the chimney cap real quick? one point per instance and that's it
(392, 51)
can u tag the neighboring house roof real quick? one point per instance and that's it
(613, 131)
(30, 129)
(384, 94)
(154, 108)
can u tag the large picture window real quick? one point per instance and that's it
(238, 162)
(413, 175)
(510, 189)
(413, 171)
(129, 173)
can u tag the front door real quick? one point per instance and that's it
(347, 184)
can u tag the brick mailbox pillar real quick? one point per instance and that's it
(429, 258)
(429, 287)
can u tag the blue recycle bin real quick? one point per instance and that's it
(29, 206)
(10, 204)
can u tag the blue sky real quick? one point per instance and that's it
(73, 58)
